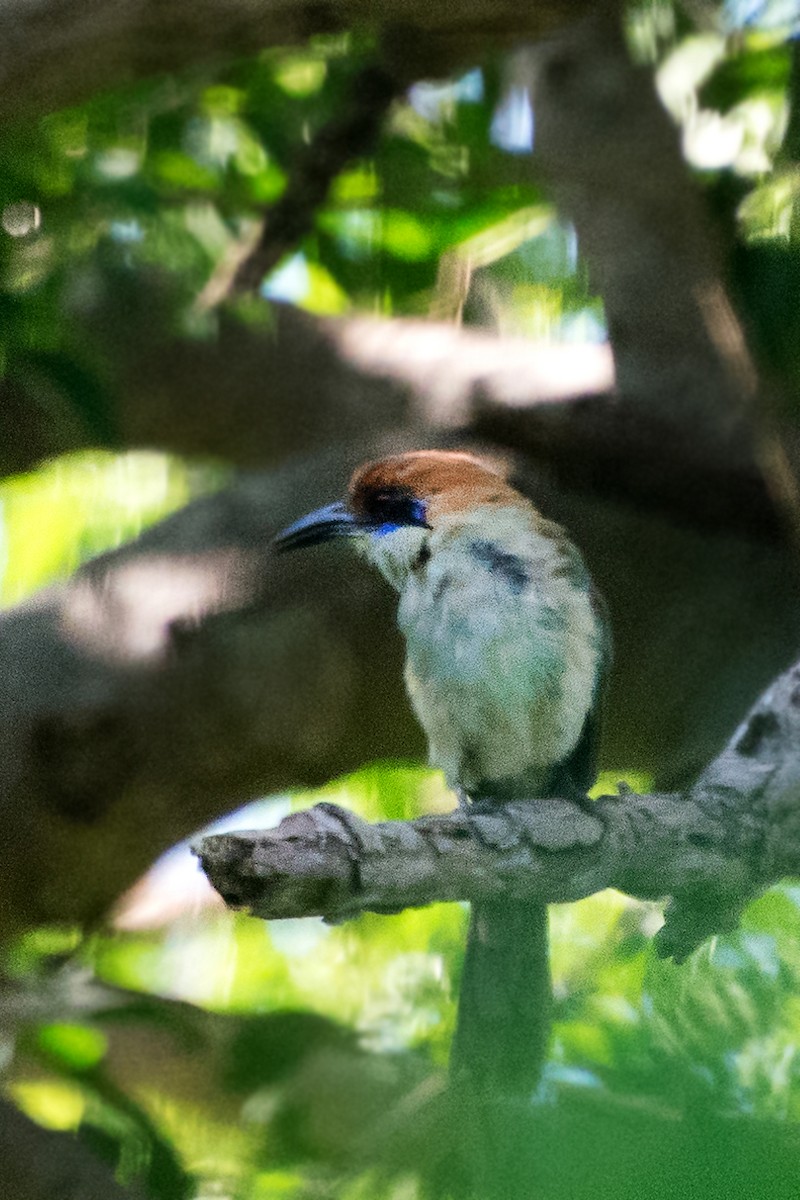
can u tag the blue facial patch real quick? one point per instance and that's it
(419, 513)
(398, 511)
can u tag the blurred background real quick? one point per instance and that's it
(203, 1053)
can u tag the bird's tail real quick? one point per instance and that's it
(503, 1022)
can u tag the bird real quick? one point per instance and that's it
(507, 652)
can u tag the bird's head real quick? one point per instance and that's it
(396, 506)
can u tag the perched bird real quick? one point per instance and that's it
(507, 646)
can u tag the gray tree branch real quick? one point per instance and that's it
(711, 848)
(325, 381)
(191, 670)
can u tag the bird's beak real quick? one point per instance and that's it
(332, 521)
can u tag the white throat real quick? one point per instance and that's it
(395, 554)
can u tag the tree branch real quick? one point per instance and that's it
(334, 381)
(351, 133)
(119, 41)
(192, 670)
(613, 158)
(326, 380)
(736, 831)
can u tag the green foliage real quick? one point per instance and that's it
(320, 1048)
(73, 509)
(149, 189)
(146, 191)
(762, 70)
(307, 1053)
(214, 1054)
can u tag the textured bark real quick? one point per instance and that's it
(192, 670)
(712, 848)
(183, 673)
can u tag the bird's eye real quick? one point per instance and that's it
(394, 507)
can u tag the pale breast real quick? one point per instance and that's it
(504, 649)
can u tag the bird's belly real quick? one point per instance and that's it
(495, 707)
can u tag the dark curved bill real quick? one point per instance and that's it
(332, 521)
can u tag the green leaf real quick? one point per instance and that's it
(749, 73)
(73, 1047)
(182, 171)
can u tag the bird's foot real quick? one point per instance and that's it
(475, 805)
(582, 801)
(464, 802)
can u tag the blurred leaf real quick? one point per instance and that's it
(750, 72)
(36, 946)
(391, 231)
(300, 75)
(121, 1132)
(76, 507)
(324, 296)
(76, 1048)
(56, 1104)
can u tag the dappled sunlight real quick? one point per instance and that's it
(77, 506)
(746, 135)
(127, 616)
(54, 1103)
(443, 366)
(82, 504)
(452, 273)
